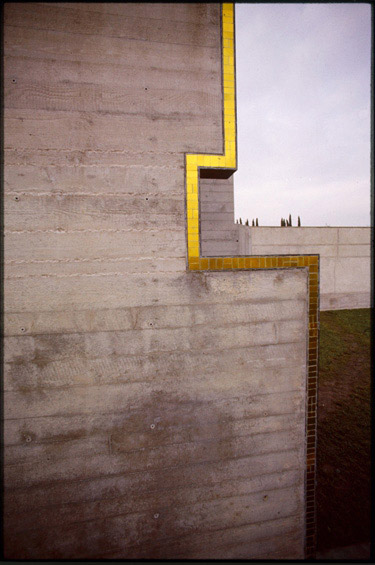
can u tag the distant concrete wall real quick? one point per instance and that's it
(345, 254)
(244, 239)
(150, 411)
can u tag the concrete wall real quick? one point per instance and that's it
(149, 411)
(345, 252)
(344, 258)
(219, 234)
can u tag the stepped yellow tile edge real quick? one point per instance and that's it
(228, 162)
(224, 162)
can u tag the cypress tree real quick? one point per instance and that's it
(290, 219)
(256, 222)
(241, 221)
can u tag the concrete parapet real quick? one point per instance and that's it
(293, 236)
(354, 236)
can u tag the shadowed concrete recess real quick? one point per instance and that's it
(150, 411)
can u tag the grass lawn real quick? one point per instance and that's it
(344, 435)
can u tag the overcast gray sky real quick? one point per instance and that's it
(303, 113)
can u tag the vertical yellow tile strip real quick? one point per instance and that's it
(228, 161)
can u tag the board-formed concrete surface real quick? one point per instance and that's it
(345, 252)
(219, 234)
(150, 411)
(345, 258)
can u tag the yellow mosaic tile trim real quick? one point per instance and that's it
(195, 262)
(229, 159)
